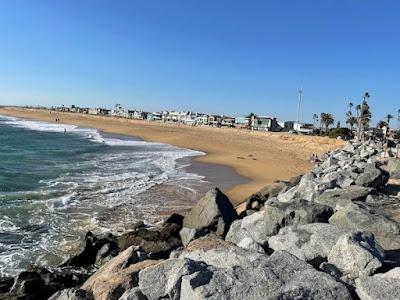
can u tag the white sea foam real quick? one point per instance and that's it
(116, 187)
(109, 193)
(7, 225)
(89, 133)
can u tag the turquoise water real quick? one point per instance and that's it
(58, 181)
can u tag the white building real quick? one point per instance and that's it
(263, 123)
(94, 111)
(201, 119)
(136, 114)
(154, 116)
(303, 128)
(228, 121)
(119, 111)
(189, 118)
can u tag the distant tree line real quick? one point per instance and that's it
(360, 118)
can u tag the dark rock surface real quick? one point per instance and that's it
(156, 243)
(93, 244)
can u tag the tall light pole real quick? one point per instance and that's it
(398, 119)
(298, 106)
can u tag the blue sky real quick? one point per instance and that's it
(231, 57)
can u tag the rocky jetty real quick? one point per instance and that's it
(333, 233)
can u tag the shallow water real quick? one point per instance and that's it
(56, 185)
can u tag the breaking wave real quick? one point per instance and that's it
(101, 183)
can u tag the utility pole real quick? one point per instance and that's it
(298, 106)
(398, 119)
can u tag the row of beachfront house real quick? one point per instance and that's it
(261, 123)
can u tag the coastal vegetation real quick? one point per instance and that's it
(327, 120)
(358, 125)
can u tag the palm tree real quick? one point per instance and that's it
(364, 115)
(315, 118)
(358, 108)
(381, 124)
(388, 118)
(251, 117)
(350, 105)
(351, 120)
(348, 116)
(327, 119)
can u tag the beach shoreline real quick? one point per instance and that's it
(261, 157)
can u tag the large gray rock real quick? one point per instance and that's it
(213, 211)
(349, 148)
(344, 196)
(238, 236)
(319, 170)
(372, 177)
(72, 294)
(282, 276)
(164, 279)
(347, 181)
(256, 200)
(346, 163)
(368, 152)
(360, 165)
(356, 254)
(249, 244)
(273, 190)
(373, 159)
(394, 168)
(329, 162)
(189, 234)
(310, 242)
(264, 224)
(306, 189)
(236, 233)
(361, 216)
(384, 286)
(289, 195)
(221, 254)
(393, 273)
(331, 270)
(117, 275)
(332, 178)
(133, 294)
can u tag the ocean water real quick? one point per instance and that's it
(59, 181)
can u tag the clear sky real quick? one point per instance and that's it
(231, 57)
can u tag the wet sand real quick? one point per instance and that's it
(261, 157)
(220, 176)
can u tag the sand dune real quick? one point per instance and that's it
(262, 157)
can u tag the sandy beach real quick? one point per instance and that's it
(261, 157)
